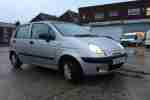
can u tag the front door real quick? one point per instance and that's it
(43, 52)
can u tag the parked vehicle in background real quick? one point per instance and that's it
(67, 47)
(132, 39)
(147, 39)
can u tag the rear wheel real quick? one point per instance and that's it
(72, 70)
(16, 63)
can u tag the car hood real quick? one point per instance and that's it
(108, 45)
(102, 42)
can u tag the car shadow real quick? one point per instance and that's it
(30, 71)
(36, 78)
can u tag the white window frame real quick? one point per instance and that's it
(148, 11)
(83, 17)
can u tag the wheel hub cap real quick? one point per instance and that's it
(67, 72)
(14, 60)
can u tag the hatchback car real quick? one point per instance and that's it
(67, 47)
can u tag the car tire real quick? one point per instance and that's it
(72, 70)
(16, 63)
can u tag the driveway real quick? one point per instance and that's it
(132, 82)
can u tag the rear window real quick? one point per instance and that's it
(23, 32)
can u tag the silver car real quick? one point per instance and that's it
(66, 47)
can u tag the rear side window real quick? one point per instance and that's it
(23, 32)
(39, 28)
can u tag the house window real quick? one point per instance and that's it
(113, 13)
(99, 15)
(136, 11)
(148, 11)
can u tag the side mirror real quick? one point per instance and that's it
(46, 36)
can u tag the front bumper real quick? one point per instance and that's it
(93, 66)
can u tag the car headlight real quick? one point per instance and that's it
(96, 49)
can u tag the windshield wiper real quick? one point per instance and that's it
(85, 35)
(109, 37)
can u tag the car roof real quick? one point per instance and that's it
(47, 22)
(51, 22)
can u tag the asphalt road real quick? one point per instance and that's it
(132, 82)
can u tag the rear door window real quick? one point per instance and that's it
(23, 32)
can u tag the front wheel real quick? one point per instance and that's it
(72, 70)
(16, 63)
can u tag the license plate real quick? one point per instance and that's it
(119, 60)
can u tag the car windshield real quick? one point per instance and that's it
(69, 29)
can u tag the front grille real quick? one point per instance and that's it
(116, 52)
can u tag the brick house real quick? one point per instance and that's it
(139, 9)
(70, 16)
(6, 30)
(117, 18)
(44, 17)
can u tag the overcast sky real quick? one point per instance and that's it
(25, 10)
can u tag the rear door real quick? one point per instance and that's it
(22, 42)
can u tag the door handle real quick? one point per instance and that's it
(31, 42)
(14, 41)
